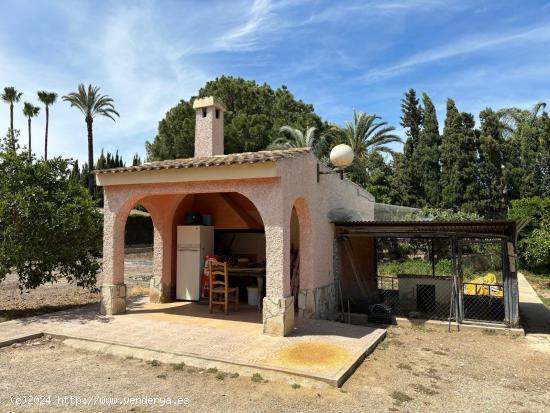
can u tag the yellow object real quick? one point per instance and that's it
(484, 286)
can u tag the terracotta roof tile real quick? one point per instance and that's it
(218, 160)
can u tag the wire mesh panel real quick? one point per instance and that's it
(481, 272)
(415, 278)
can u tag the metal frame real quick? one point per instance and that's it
(456, 231)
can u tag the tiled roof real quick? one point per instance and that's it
(218, 160)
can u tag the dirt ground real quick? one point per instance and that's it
(63, 296)
(415, 369)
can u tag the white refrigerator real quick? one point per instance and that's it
(194, 243)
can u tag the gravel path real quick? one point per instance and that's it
(414, 370)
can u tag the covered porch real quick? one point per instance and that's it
(244, 224)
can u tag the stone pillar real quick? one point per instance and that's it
(113, 290)
(113, 299)
(278, 305)
(278, 316)
(162, 210)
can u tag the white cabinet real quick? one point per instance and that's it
(194, 242)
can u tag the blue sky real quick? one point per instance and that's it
(337, 55)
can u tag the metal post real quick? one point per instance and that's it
(432, 258)
(510, 282)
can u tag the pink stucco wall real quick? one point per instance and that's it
(296, 186)
(162, 201)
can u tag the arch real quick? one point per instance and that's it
(230, 210)
(305, 237)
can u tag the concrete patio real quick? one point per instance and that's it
(316, 350)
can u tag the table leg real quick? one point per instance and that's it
(260, 280)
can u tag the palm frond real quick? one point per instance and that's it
(47, 98)
(11, 95)
(91, 103)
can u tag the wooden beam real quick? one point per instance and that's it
(240, 211)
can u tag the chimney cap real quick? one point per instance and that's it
(208, 102)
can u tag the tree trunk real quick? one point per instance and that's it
(46, 137)
(11, 127)
(89, 121)
(30, 140)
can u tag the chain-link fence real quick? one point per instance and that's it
(415, 277)
(480, 268)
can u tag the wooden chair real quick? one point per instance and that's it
(220, 293)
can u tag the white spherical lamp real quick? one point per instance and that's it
(341, 156)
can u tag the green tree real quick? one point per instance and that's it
(411, 117)
(427, 154)
(48, 99)
(378, 174)
(11, 96)
(30, 111)
(492, 194)
(75, 172)
(136, 160)
(295, 138)
(39, 202)
(544, 154)
(254, 115)
(534, 240)
(92, 104)
(459, 175)
(523, 162)
(366, 134)
(407, 178)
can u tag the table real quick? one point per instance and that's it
(258, 272)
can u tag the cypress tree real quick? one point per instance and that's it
(136, 160)
(427, 155)
(75, 172)
(459, 174)
(492, 194)
(102, 161)
(545, 154)
(411, 118)
(531, 178)
(406, 183)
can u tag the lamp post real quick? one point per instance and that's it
(341, 156)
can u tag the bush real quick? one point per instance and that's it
(437, 214)
(534, 241)
(49, 226)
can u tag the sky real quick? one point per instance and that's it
(336, 55)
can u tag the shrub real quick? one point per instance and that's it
(534, 241)
(49, 225)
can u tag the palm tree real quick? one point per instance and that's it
(365, 134)
(11, 95)
(91, 103)
(513, 119)
(30, 111)
(295, 138)
(47, 98)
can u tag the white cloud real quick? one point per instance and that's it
(459, 48)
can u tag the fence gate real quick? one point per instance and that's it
(480, 274)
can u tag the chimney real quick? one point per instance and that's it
(208, 126)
